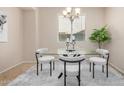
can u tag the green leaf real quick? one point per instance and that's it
(100, 35)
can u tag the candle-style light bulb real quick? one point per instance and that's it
(77, 11)
(68, 9)
(64, 13)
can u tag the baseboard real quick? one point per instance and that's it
(22, 62)
(11, 67)
(29, 61)
(117, 68)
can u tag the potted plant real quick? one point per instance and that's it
(100, 36)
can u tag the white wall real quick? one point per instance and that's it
(29, 34)
(115, 20)
(11, 53)
(21, 38)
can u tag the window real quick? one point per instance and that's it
(65, 28)
(3, 27)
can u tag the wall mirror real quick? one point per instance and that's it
(65, 28)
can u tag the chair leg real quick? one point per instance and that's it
(37, 63)
(41, 67)
(79, 74)
(53, 65)
(107, 70)
(50, 68)
(60, 75)
(37, 69)
(64, 73)
(90, 67)
(103, 68)
(93, 70)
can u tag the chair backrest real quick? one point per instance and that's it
(72, 58)
(41, 51)
(103, 52)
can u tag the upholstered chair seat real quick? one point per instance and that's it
(46, 59)
(98, 60)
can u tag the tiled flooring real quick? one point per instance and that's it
(11, 74)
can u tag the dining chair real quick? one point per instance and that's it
(102, 60)
(41, 58)
(76, 58)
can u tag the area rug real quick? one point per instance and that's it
(29, 78)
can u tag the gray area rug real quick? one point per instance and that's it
(29, 78)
